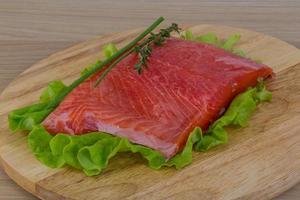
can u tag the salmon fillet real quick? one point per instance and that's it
(186, 84)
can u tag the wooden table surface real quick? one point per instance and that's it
(32, 29)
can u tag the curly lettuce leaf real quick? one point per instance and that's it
(209, 38)
(230, 42)
(108, 50)
(54, 88)
(212, 39)
(39, 142)
(237, 114)
(240, 52)
(90, 67)
(24, 119)
(91, 152)
(185, 157)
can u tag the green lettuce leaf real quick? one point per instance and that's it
(39, 142)
(238, 114)
(211, 38)
(24, 119)
(90, 67)
(185, 157)
(230, 42)
(91, 152)
(108, 50)
(109, 147)
(54, 88)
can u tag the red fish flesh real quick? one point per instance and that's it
(186, 84)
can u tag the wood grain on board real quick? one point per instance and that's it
(259, 162)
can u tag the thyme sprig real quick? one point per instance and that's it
(144, 50)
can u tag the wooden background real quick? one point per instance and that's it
(32, 29)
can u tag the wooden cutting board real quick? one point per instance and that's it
(259, 162)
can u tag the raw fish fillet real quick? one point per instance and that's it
(186, 84)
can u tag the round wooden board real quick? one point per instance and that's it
(259, 162)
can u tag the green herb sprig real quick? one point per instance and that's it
(144, 50)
